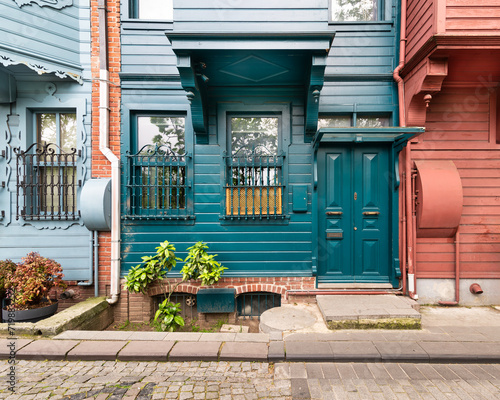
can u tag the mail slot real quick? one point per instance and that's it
(334, 235)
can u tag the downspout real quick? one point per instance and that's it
(457, 273)
(407, 217)
(108, 153)
(91, 260)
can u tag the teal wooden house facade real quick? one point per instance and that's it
(45, 127)
(269, 131)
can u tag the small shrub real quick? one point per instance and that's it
(7, 267)
(32, 281)
(168, 317)
(201, 265)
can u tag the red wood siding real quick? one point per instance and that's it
(472, 16)
(459, 128)
(419, 24)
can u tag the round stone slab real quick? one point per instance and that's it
(281, 319)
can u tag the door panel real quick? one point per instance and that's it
(353, 195)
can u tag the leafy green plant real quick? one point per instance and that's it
(6, 267)
(198, 265)
(32, 280)
(152, 269)
(168, 317)
(201, 265)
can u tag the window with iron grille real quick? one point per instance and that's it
(254, 169)
(46, 171)
(157, 185)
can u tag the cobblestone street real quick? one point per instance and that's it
(249, 380)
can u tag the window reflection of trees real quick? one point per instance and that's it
(354, 10)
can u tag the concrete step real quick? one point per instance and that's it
(369, 312)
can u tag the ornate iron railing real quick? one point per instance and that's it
(157, 184)
(46, 183)
(254, 186)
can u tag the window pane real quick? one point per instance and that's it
(68, 132)
(341, 121)
(156, 9)
(46, 128)
(354, 10)
(254, 135)
(372, 121)
(162, 131)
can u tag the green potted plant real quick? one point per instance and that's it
(28, 287)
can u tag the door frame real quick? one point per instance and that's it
(396, 139)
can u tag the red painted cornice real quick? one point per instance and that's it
(444, 42)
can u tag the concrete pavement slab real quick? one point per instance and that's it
(184, 336)
(195, 351)
(237, 351)
(148, 336)
(448, 352)
(144, 350)
(217, 337)
(112, 335)
(355, 351)
(96, 350)
(401, 351)
(46, 350)
(76, 335)
(252, 337)
(308, 351)
(286, 318)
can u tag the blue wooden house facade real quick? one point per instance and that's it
(45, 123)
(269, 131)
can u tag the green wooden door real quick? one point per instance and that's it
(353, 195)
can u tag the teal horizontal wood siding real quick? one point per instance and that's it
(358, 78)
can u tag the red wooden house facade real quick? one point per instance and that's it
(450, 219)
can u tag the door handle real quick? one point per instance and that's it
(334, 213)
(371, 213)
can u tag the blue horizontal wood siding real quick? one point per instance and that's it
(62, 35)
(241, 16)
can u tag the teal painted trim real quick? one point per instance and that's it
(196, 95)
(316, 80)
(308, 40)
(358, 77)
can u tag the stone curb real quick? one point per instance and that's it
(271, 351)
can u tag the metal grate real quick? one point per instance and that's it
(187, 302)
(255, 303)
(254, 186)
(156, 185)
(46, 183)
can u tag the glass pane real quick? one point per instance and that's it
(372, 121)
(254, 135)
(341, 121)
(354, 10)
(69, 188)
(156, 9)
(167, 131)
(46, 128)
(49, 190)
(68, 132)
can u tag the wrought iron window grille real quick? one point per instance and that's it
(46, 183)
(254, 186)
(157, 184)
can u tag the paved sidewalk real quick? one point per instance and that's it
(449, 335)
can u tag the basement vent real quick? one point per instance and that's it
(187, 302)
(254, 304)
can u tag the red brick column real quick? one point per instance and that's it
(101, 167)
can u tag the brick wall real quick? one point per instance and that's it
(101, 167)
(139, 308)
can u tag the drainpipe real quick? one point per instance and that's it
(457, 273)
(108, 153)
(91, 258)
(408, 220)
